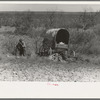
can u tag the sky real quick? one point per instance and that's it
(50, 7)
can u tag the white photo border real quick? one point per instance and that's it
(42, 89)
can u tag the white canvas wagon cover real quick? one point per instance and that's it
(58, 34)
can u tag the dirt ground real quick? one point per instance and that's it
(42, 69)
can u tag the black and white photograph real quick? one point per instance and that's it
(50, 42)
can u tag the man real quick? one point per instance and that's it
(21, 47)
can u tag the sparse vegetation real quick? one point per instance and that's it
(84, 39)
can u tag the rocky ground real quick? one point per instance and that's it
(43, 69)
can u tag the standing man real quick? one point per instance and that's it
(21, 47)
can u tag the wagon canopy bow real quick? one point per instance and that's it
(60, 35)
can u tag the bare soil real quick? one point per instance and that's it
(44, 70)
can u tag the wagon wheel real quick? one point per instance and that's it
(43, 51)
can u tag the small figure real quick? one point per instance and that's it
(21, 47)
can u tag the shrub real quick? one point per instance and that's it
(9, 44)
(81, 40)
(33, 41)
(11, 41)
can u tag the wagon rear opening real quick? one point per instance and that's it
(62, 39)
(62, 36)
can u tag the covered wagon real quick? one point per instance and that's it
(55, 41)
